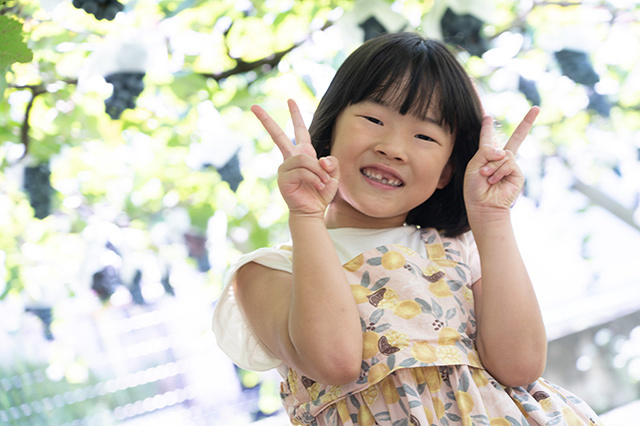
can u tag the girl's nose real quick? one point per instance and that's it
(392, 149)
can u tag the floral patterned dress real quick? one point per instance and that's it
(420, 366)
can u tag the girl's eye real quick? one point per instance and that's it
(373, 120)
(426, 138)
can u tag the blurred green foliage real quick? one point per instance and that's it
(206, 63)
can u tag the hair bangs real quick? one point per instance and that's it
(415, 91)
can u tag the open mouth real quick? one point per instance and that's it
(382, 178)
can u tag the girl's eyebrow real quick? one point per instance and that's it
(428, 118)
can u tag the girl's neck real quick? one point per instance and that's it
(336, 217)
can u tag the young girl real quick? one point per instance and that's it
(402, 298)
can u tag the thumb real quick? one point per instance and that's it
(331, 165)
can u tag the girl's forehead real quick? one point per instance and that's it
(409, 93)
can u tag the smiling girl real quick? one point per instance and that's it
(402, 298)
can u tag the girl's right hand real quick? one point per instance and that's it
(307, 184)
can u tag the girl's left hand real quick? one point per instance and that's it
(493, 179)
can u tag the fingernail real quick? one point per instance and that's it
(499, 151)
(327, 162)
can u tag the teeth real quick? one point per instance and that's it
(377, 177)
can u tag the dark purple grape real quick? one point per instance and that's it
(464, 31)
(529, 90)
(100, 9)
(126, 88)
(231, 173)
(372, 28)
(37, 185)
(577, 66)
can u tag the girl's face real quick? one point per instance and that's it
(389, 164)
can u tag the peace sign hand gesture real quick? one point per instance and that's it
(493, 179)
(307, 184)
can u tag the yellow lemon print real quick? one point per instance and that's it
(435, 251)
(314, 390)
(389, 391)
(419, 375)
(448, 336)
(433, 378)
(365, 418)
(292, 380)
(354, 264)
(440, 288)
(546, 404)
(370, 344)
(378, 372)
(479, 379)
(449, 354)
(405, 250)
(332, 394)
(397, 339)
(389, 300)
(360, 293)
(431, 270)
(571, 417)
(343, 411)
(429, 415)
(465, 402)
(424, 352)
(407, 309)
(393, 260)
(438, 406)
(467, 293)
(370, 394)
(499, 421)
(474, 359)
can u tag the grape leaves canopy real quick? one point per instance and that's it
(129, 125)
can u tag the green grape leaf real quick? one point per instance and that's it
(13, 47)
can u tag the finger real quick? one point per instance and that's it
(300, 130)
(487, 136)
(308, 163)
(302, 176)
(502, 169)
(522, 130)
(331, 166)
(278, 135)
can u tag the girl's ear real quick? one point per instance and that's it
(446, 175)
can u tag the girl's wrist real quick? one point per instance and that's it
(306, 221)
(490, 223)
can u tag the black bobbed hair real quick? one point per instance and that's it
(415, 76)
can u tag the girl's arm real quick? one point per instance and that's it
(511, 339)
(309, 318)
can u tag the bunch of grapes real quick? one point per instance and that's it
(105, 281)
(464, 31)
(599, 103)
(126, 88)
(529, 89)
(37, 185)
(46, 316)
(101, 9)
(577, 66)
(231, 173)
(372, 28)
